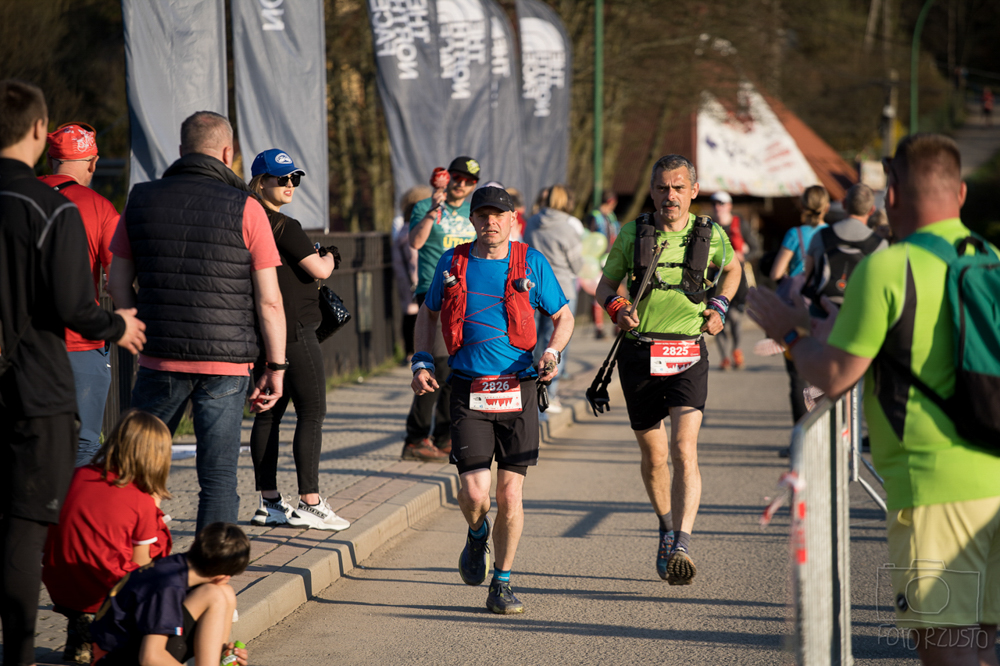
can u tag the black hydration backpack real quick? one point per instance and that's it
(697, 245)
(840, 258)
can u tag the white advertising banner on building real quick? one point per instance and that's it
(750, 152)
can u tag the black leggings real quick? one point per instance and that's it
(305, 383)
(21, 542)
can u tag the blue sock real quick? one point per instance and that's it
(502, 576)
(480, 533)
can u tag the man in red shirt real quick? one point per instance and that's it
(72, 160)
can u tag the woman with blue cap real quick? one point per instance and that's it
(274, 179)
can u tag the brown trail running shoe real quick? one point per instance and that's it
(423, 450)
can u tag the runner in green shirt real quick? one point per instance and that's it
(943, 492)
(665, 372)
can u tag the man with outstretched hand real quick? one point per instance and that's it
(485, 294)
(896, 329)
(663, 361)
(45, 288)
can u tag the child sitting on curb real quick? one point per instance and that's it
(110, 524)
(176, 608)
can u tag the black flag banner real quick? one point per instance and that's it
(463, 47)
(545, 71)
(503, 156)
(414, 97)
(448, 87)
(175, 64)
(279, 56)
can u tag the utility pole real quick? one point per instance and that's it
(914, 58)
(598, 101)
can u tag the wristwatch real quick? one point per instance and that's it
(277, 366)
(793, 336)
(554, 352)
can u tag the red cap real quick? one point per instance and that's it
(73, 141)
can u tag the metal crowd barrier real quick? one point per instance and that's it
(825, 458)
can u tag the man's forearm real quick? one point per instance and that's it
(820, 365)
(731, 276)
(420, 233)
(562, 328)
(423, 335)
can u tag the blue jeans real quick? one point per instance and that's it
(217, 409)
(545, 327)
(92, 376)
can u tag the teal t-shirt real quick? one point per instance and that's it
(666, 310)
(454, 228)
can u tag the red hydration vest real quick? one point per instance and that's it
(520, 314)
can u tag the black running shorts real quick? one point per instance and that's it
(648, 398)
(477, 437)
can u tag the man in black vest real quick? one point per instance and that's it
(203, 251)
(45, 286)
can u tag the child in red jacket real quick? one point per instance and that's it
(110, 524)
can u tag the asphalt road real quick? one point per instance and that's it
(585, 565)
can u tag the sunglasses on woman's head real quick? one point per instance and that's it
(296, 178)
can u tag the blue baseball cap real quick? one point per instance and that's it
(274, 162)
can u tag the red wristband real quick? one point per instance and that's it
(615, 305)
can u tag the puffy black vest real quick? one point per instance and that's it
(195, 291)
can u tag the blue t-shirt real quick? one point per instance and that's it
(149, 600)
(791, 242)
(486, 349)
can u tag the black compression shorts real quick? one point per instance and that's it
(649, 398)
(477, 437)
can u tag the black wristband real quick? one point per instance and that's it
(276, 366)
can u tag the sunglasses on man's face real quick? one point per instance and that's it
(461, 180)
(295, 178)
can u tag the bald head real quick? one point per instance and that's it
(208, 133)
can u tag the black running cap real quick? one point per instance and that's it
(494, 197)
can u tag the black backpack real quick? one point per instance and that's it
(840, 257)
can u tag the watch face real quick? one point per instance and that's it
(791, 336)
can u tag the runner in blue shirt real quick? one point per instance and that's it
(486, 307)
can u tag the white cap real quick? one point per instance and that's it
(722, 197)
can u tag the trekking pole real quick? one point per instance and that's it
(597, 394)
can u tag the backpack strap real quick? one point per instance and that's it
(936, 245)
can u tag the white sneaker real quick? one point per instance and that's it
(555, 407)
(271, 512)
(318, 517)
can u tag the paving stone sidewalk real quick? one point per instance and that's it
(364, 479)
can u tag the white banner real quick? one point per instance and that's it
(749, 154)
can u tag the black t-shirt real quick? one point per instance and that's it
(149, 600)
(298, 289)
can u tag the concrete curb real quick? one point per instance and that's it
(274, 597)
